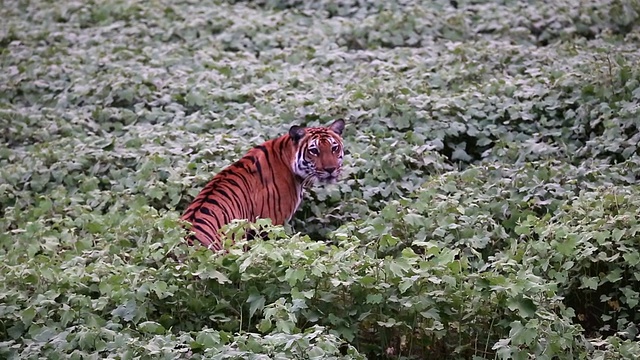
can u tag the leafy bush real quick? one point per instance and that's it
(488, 207)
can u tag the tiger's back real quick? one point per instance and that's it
(267, 182)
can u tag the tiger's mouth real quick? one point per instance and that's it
(325, 178)
(328, 180)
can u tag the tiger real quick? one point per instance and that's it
(267, 182)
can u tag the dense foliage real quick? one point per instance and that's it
(489, 207)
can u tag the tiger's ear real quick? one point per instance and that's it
(296, 132)
(337, 126)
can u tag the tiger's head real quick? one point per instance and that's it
(319, 152)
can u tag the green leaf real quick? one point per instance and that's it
(614, 275)
(209, 339)
(567, 246)
(374, 298)
(256, 302)
(414, 219)
(27, 315)
(367, 280)
(126, 311)
(264, 326)
(590, 282)
(87, 339)
(525, 307)
(632, 297)
(521, 335)
(617, 234)
(459, 153)
(406, 284)
(522, 230)
(160, 288)
(398, 267)
(151, 327)
(213, 274)
(431, 314)
(294, 276)
(632, 257)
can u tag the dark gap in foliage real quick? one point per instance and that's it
(7, 39)
(19, 97)
(472, 149)
(189, 107)
(589, 306)
(123, 103)
(270, 5)
(354, 44)
(625, 29)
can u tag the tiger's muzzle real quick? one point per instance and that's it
(328, 175)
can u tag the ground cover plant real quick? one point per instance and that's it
(489, 206)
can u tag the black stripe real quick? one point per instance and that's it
(207, 190)
(259, 170)
(261, 175)
(203, 232)
(208, 212)
(221, 206)
(203, 222)
(262, 147)
(238, 164)
(247, 187)
(244, 201)
(277, 201)
(280, 198)
(256, 163)
(189, 213)
(284, 143)
(246, 194)
(235, 200)
(268, 202)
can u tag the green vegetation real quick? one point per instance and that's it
(489, 207)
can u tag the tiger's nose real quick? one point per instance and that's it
(330, 169)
